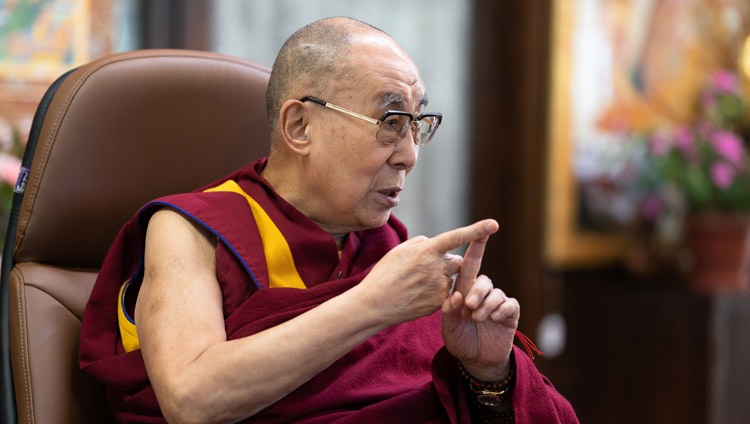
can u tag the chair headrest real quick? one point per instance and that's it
(128, 128)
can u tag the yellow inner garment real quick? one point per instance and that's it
(282, 272)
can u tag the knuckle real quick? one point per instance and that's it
(484, 282)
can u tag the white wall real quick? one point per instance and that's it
(436, 35)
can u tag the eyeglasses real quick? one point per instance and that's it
(394, 123)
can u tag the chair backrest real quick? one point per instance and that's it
(106, 138)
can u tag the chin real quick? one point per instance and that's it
(383, 220)
(375, 222)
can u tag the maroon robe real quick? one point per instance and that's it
(401, 375)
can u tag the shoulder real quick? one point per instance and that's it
(170, 232)
(201, 209)
(166, 220)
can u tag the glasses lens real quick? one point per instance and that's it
(427, 127)
(393, 127)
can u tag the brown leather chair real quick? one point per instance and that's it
(106, 138)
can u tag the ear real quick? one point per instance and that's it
(293, 126)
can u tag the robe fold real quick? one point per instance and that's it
(403, 374)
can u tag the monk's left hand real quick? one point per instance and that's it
(479, 320)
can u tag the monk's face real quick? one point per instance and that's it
(356, 178)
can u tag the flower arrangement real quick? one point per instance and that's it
(12, 144)
(701, 166)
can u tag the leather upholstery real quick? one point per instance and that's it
(118, 132)
(45, 316)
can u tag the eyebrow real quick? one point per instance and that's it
(388, 99)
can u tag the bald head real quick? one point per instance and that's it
(312, 58)
(329, 166)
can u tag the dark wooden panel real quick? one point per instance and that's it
(640, 352)
(651, 351)
(175, 24)
(509, 89)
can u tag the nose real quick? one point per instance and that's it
(405, 153)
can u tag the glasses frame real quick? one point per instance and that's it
(413, 122)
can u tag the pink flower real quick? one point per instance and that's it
(660, 143)
(708, 101)
(729, 146)
(9, 167)
(652, 207)
(6, 135)
(723, 174)
(725, 81)
(684, 139)
(24, 127)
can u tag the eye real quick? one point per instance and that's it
(396, 122)
(393, 122)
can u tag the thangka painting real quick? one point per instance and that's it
(620, 67)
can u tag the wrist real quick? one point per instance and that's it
(490, 397)
(496, 373)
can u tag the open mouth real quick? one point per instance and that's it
(393, 193)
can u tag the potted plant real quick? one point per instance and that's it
(699, 174)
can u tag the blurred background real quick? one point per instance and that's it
(608, 137)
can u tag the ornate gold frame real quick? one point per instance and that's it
(566, 245)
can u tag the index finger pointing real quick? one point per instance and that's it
(471, 265)
(453, 239)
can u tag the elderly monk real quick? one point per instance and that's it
(286, 292)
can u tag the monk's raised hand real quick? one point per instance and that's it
(416, 277)
(479, 320)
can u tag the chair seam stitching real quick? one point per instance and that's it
(24, 355)
(50, 294)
